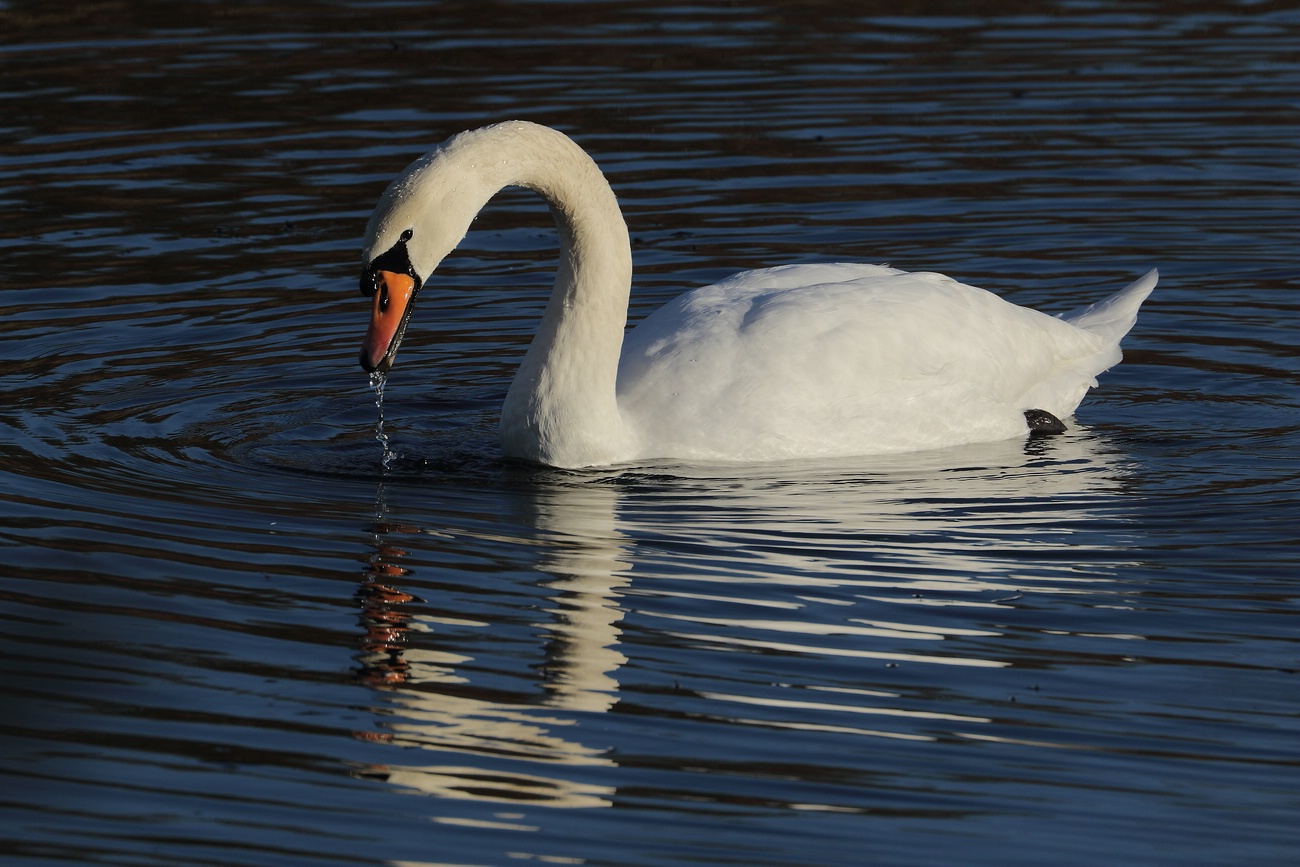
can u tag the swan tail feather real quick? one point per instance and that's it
(1113, 317)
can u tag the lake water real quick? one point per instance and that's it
(231, 636)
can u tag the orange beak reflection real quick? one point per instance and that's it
(391, 308)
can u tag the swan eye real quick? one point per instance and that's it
(406, 236)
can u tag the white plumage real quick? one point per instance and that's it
(791, 362)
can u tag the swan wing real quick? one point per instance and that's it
(820, 360)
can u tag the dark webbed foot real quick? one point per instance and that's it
(1041, 422)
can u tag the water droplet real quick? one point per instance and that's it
(377, 380)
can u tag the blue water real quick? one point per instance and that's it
(230, 635)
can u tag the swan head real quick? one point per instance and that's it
(422, 216)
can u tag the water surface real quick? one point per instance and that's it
(232, 636)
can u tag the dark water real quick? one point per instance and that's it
(229, 636)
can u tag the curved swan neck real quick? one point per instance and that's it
(562, 408)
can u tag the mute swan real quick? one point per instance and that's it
(790, 362)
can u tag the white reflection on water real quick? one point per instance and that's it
(587, 562)
(697, 551)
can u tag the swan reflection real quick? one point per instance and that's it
(801, 561)
(584, 557)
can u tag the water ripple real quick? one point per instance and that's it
(234, 632)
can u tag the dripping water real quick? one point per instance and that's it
(377, 380)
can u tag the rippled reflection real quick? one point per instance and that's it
(808, 561)
(582, 558)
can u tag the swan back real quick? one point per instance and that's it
(844, 359)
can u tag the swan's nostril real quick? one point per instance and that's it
(383, 298)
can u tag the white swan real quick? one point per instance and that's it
(791, 362)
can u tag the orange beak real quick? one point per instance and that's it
(394, 293)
